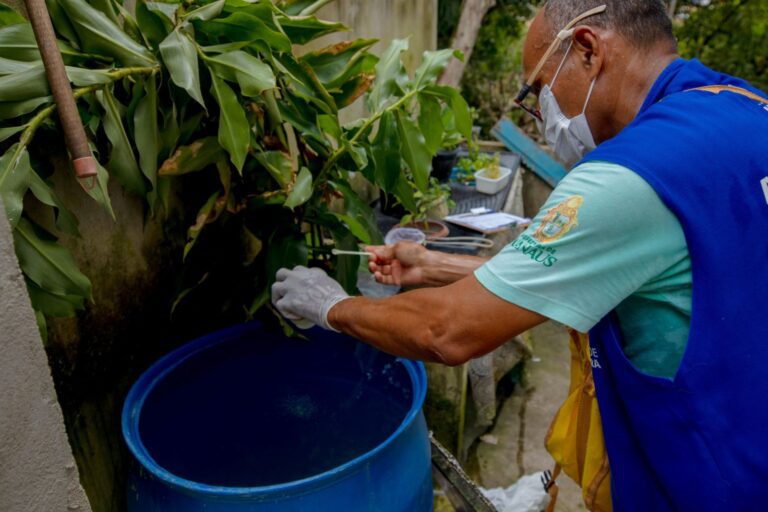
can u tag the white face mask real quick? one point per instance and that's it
(570, 139)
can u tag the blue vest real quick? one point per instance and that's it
(698, 442)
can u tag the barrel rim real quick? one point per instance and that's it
(146, 383)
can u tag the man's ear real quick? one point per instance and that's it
(588, 46)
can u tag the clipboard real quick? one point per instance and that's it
(487, 223)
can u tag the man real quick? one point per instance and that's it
(656, 243)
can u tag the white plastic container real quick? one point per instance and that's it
(489, 186)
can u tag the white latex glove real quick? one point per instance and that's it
(306, 295)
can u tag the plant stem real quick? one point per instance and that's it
(359, 133)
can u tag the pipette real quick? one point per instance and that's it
(339, 252)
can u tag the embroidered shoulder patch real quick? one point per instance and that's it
(559, 220)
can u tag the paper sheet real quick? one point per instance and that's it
(487, 222)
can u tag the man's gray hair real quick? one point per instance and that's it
(643, 23)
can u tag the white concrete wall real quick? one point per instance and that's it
(37, 470)
(384, 20)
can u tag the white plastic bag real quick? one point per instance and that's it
(526, 495)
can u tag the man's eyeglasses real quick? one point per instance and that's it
(562, 36)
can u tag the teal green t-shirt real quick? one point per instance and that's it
(603, 241)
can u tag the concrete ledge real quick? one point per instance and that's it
(38, 472)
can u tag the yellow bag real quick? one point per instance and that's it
(575, 438)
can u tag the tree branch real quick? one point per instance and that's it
(472, 14)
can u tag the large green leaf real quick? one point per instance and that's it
(10, 131)
(82, 77)
(329, 127)
(264, 10)
(302, 7)
(10, 66)
(301, 191)
(414, 150)
(404, 194)
(358, 154)
(202, 218)
(355, 227)
(155, 26)
(432, 66)
(299, 113)
(18, 42)
(285, 250)
(24, 85)
(234, 130)
(431, 122)
(205, 12)
(303, 29)
(279, 165)
(253, 75)
(99, 34)
(107, 8)
(335, 64)
(170, 132)
(65, 221)
(147, 136)
(243, 26)
(458, 104)
(224, 47)
(11, 109)
(386, 153)
(51, 304)
(9, 17)
(302, 81)
(358, 215)
(122, 161)
(194, 157)
(14, 181)
(180, 57)
(129, 23)
(352, 90)
(294, 7)
(61, 23)
(168, 11)
(46, 263)
(391, 76)
(100, 192)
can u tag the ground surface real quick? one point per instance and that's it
(524, 420)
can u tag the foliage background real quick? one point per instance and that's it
(727, 35)
(213, 96)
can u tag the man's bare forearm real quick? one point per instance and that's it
(448, 325)
(441, 268)
(402, 325)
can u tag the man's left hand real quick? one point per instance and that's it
(306, 295)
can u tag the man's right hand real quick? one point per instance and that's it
(402, 264)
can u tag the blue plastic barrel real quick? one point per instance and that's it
(247, 420)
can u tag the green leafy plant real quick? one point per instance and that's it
(436, 198)
(729, 35)
(493, 75)
(477, 161)
(493, 168)
(213, 95)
